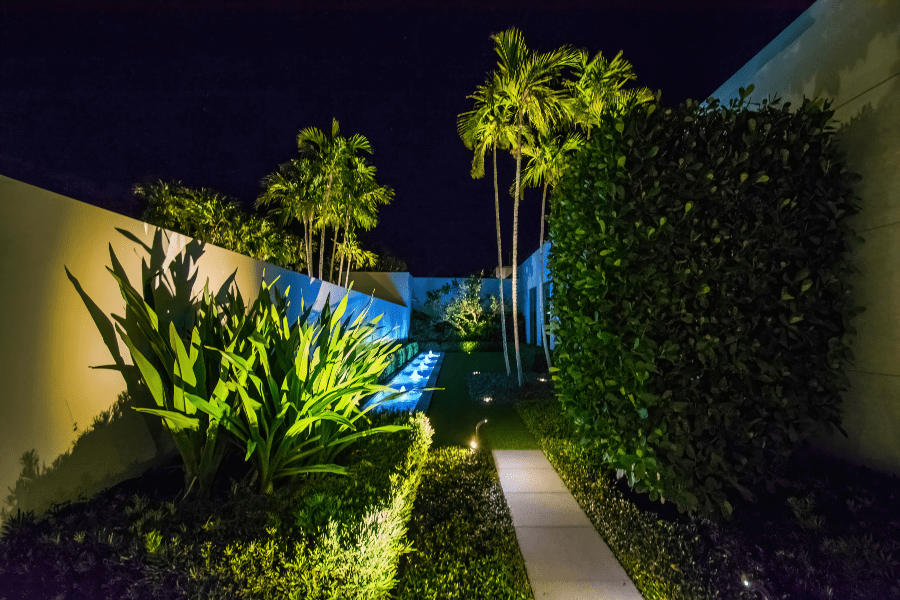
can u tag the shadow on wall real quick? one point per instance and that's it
(839, 52)
(167, 280)
(72, 474)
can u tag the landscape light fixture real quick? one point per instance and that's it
(475, 441)
(754, 585)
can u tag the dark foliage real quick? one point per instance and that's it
(832, 533)
(699, 258)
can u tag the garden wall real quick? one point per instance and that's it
(849, 51)
(531, 278)
(49, 342)
(393, 287)
(422, 285)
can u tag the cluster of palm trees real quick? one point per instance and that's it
(329, 191)
(543, 106)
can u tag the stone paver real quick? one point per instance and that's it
(565, 557)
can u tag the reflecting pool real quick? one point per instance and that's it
(415, 376)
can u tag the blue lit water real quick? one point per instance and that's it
(411, 380)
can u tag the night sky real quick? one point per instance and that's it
(213, 95)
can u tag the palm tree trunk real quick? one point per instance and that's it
(341, 268)
(322, 254)
(337, 232)
(500, 267)
(515, 273)
(307, 237)
(543, 329)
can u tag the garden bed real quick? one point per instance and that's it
(326, 536)
(463, 534)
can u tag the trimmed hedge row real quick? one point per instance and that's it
(658, 555)
(335, 537)
(701, 316)
(400, 358)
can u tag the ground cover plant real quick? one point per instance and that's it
(699, 258)
(333, 537)
(833, 533)
(463, 534)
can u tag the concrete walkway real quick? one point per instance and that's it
(565, 557)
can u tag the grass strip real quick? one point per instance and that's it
(462, 532)
(454, 414)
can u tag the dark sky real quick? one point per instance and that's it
(96, 99)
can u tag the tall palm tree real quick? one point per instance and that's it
(597, 88)
(487, 126)
(530, 83)
(547, 161)
(361, 210)
(334, 157)
(293, 188)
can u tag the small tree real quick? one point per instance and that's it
(469, 315)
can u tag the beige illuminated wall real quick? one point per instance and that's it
(849, 51)
(48, 341)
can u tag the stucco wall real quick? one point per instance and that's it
(422, 285)
(531, 277)
(849, 51)
(49, 340)
(393, 287)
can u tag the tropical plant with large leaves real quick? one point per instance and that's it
(488, 127)
(530, 84)
(546, 163)
(298, 391)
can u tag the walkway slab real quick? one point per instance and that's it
(565, 557)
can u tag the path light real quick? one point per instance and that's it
(542, 379)
(752, 584)
(475, 441)
(487, 398)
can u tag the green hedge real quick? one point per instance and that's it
(400, 358)
(699, 259)
(659, 556)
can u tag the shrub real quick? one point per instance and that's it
(406, 353)
(335, 537)
(471, 317)
(701, 311)
(287, 395)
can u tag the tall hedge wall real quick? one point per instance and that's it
(698, 258)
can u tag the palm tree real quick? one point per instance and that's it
(548, 159)
(598, 88)
(487, 127)
(360, 210)
(293, 189)
(334, 157)
(529, 83)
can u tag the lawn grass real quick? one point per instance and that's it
(454, 415)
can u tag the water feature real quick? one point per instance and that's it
(419, 373)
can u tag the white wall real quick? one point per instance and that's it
(48, 340)
(532, 277)
(422, 285)
(849, 51)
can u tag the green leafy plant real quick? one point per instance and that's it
(699, 258)
(459, 304)
(180, 377)
(298, 390)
